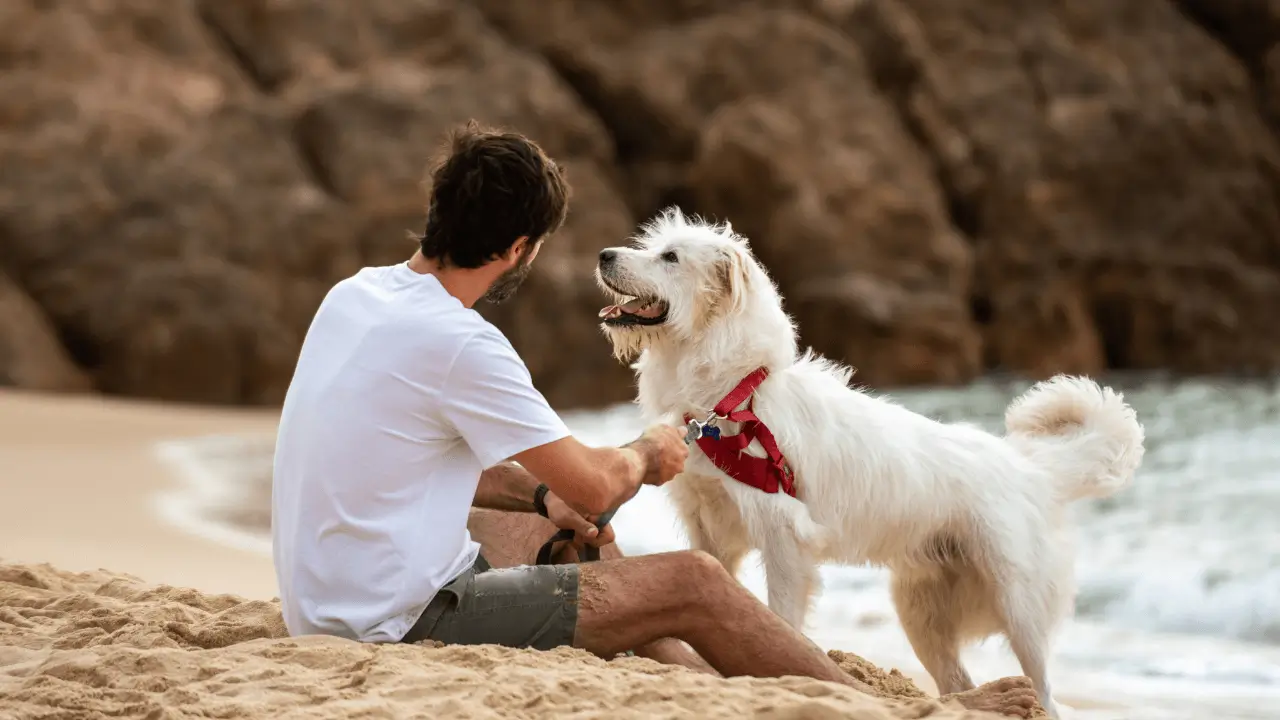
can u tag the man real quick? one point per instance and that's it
(407, 409)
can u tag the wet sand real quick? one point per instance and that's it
(81, 480)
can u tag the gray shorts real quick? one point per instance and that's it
(530, 606)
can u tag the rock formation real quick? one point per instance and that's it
(940, 189)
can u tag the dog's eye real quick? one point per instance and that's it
(670, 256)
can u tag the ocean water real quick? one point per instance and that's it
(1178, 614)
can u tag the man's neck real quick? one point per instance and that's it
(467, 285)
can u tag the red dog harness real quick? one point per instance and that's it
(767, 474)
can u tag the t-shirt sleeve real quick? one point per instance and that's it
(491, 401)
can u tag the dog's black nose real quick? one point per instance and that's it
(607, 256)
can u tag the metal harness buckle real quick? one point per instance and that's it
(695, 430)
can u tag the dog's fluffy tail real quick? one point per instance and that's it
(1084, 434)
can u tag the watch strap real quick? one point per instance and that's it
(539, 499)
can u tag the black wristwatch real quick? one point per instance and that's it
(539, 499)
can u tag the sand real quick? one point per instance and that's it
(102, 644)
(157, 636)
(80, 480)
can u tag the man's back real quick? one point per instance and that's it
(387, 425)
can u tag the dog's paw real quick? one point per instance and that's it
(1011, 696)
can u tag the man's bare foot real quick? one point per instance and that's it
(1012, 696)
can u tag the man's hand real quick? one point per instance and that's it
(664, 452)
(584, 529)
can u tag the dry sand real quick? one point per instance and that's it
(101, 644)
(79, 478)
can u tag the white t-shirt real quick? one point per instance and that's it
(401, 397)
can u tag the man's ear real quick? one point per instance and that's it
(517, 249)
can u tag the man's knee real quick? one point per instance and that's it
(696, 565)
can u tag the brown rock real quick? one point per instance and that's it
(1109, 163)
(184, 261)
(658, 89)
(1251, 30)
(1070, 166)
(90, 90)
(370, 137)
(849, 219)
(154, 336)
(559, 27)
(936, 186)
(187, 260)
(377, 86)
(1269, 88)
(31, 356)
(846, 214)
(203, 260)
(282, 42)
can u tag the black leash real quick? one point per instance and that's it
(589, 553)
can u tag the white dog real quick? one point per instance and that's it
(971, 525)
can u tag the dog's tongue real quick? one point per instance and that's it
(634, 307)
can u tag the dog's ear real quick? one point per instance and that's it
(733, 275)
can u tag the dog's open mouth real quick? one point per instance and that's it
(636, 311)
(631, 310)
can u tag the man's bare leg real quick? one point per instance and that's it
(508, 539)
(688, 595)
(627, 602)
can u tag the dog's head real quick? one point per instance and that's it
(677, 279)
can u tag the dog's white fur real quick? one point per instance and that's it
(971, 525)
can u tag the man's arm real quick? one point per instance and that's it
(506, 487)
(595, 480)
(620, 472)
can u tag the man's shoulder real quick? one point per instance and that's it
(484, 339)
(354, 287)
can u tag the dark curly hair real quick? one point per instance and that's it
(488, 190)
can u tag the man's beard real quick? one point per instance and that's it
(505, 286)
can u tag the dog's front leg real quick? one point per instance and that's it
(791, 571)
(711, 518)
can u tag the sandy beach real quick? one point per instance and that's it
(102, 644)
(81, 481)
(108, 608)
(134, 553)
